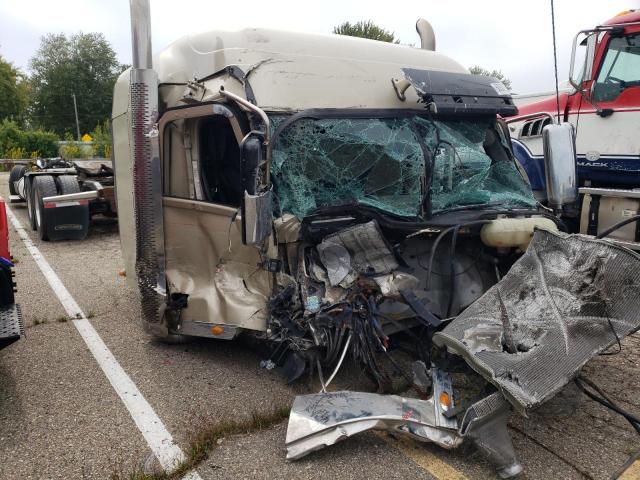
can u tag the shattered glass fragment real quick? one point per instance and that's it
(313, 304)
(267, 364)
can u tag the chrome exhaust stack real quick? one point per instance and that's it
(141, 35)
(147, 172)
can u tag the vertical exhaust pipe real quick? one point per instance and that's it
(426, 34)
(141, 34)
(147, 172)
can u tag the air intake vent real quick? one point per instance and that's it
(533, 128)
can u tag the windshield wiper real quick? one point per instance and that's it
(478, 206)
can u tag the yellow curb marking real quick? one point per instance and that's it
(631, 473)
(424, 458)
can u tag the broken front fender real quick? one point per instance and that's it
(323, 419)
(320, 420)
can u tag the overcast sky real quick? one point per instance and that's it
(513, 36)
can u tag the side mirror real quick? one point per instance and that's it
(256, 217)
(256, 209)
(560, 164)
(582, 56)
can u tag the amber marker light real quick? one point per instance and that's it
(445, 401)
(217, 330)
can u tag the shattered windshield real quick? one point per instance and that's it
(464, 174)
(380, 162)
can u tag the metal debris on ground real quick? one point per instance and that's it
(568, 298)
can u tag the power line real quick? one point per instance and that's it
(555, 59)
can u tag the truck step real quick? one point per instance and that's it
(15, 199)
(11, 325)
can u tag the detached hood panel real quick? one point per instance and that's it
(564, 301)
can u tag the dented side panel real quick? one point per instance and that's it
(207, 261)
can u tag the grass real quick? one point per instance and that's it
(42, 320)
(91, 314)
(206, 439)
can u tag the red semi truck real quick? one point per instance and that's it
(603, 106)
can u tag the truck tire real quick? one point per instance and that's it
(43, 186)
(67, 184)
(31, 212)
(17, 172)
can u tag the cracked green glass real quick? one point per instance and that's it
(464, 175)
(380, 162)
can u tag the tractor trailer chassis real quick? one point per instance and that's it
(62, 197)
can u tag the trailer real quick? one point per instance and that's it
(62, 196)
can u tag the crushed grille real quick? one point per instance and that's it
(564, 301)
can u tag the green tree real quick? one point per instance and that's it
(478, 70)
(84, 65)
(14, 92)
(102, 140)
(366, 29)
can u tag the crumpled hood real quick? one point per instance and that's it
(564, 301)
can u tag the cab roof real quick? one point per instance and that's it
(624, 17)
(296, 71)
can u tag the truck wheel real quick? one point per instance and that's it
(17, 172)
(28, 190)
(43, 186)
(67, 184)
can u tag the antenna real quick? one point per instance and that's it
(555, 59)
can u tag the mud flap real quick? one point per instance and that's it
(66, 220)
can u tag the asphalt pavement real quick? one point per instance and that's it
(61, 418)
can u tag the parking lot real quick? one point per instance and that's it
(60, 416)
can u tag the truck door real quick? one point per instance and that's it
(205, 257)
(608, 119)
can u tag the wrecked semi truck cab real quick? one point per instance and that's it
(332, 196)
(279, 162)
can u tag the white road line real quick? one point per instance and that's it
(155, 433)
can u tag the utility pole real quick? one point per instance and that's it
(75, 109)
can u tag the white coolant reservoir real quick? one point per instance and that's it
(514, 232)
